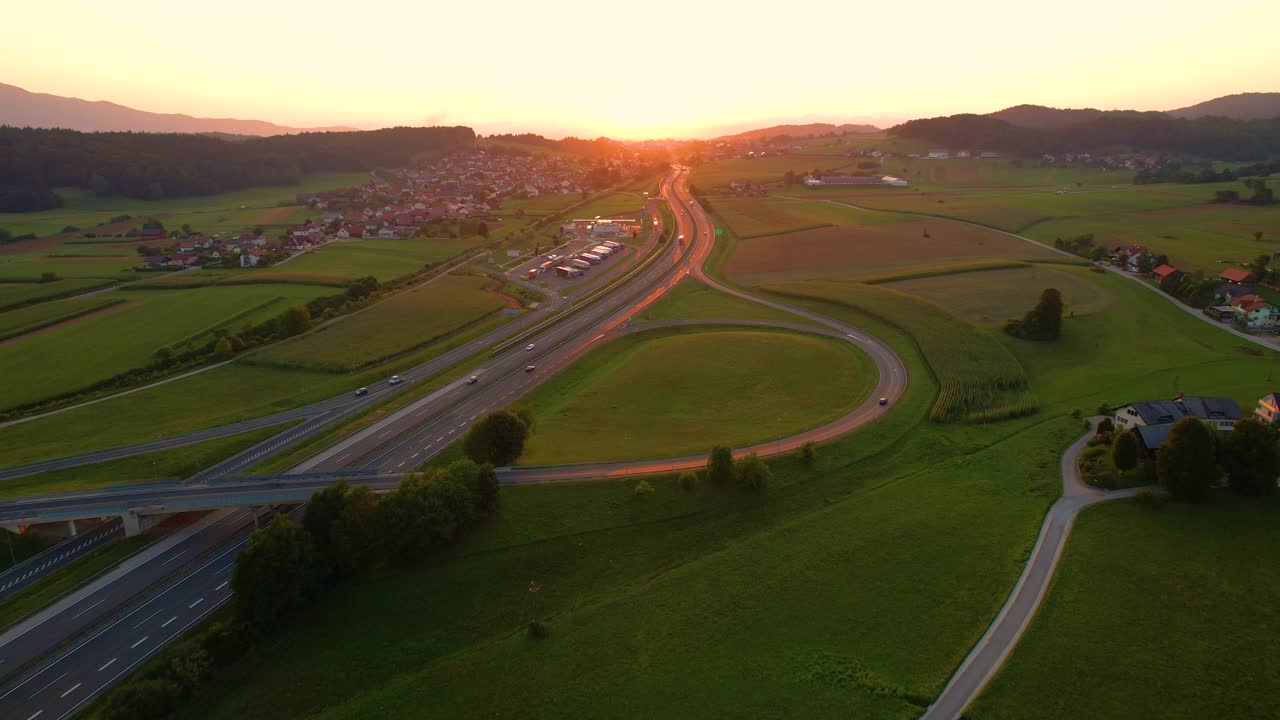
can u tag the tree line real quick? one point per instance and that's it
(153, 166)
(1215, 137)
(1194, 173)
(345, 532)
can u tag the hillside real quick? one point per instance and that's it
(20, 108)
(1039, 116)
(1242, 106)
(798, 131)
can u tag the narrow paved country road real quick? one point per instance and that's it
(994, 647)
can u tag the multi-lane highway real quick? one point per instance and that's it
(119, 631)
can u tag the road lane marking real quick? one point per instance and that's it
(165, 624)
(73, 617)
(144, 639)
(35, 715)
(175, 557)
(140, 623)
(224, 584)
(46, 687)
(70, 690)
(197, 602)
(107, 665)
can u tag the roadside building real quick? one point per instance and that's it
(1255, 313)
(1238, 276)
(1268, 410)
(1220, 413)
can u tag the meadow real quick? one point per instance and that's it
(383, 259)
(994, 296)
(845, 250)
(408, 320)
(769, 169)
(137, 469)
(14, 295)
(1170, 611)
(667, 394)
(29, 267)
(692, 299)
(15, 323)
(617, 204)
(84, 210)
(980, 379)
(758, 217)
(96, 347)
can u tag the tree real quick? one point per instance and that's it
(643, 490)
(1042, 322)
(806, 454)
(1252, 457)
(48, 277)
(278, 571)
(753, 473)
(426, 512)
(720, 465)
(163, 356)
(5, 235)
(223, 348)
(688, 481)
(498, 438)
(481, 480)
(296, 320)
(1185, 463)
(1259, 266)
(1106, 425)
(1144, 264)
(1124, 451)
(147, 699)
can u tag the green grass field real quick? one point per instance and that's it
(383, 259)
(37, 317)
(82, 209)
(18, 294)
(41, 593)
(755, 217)
(148, 467)
(28, 267)
(406, 321)
(616, 204)
(690, 299)
(672, 394)
(97, 347)
(1169, 611)
(768, 169)
(981, 380)
(994, 296)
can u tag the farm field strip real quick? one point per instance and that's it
(18, 322)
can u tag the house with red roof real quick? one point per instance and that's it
(1255, 313)
(1238, 276)
(1166, 275)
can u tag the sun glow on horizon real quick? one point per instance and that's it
(659, 69)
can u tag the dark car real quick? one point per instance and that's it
(362, 392)
(884, 401)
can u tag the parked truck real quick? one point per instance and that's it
(590, 257)
(533, 273)
(580, 264)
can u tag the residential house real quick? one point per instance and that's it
(1255, 313)
(249, 258)
(1268, 410)
(1130, 255)
(1224, 294)
(1166, 275)
(1219, 413)
(387, 233)
(1238, 276)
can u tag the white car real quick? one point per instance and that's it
(394, 380)
(528, 347)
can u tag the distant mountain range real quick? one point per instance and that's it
(1244, 106)
(798, 131)
(20, 108)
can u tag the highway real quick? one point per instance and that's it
(112, 626)
(129, 627)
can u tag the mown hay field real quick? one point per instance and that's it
(978, 378)
(755, 217)
(994, 296)
(14, 295)
(406, 321)
(847, 250)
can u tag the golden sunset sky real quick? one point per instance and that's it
(633, 70)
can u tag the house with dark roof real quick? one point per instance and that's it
(1219, 413)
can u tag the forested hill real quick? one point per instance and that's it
(1210, 137)
(153, 166)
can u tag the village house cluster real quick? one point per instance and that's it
(459, 187)
(1235, 300)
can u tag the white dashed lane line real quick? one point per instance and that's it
(70, 690)
(165, 624)
(106, 665)
(142, 640)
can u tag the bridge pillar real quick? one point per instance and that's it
(131, 525)
(71, 528)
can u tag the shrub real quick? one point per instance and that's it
(537, 630)
(1076, 413)
(643, 490)
(1151, 499)
(806, 453)
(753, 473)
(720, 465)
(146, 700)
(688, 481)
